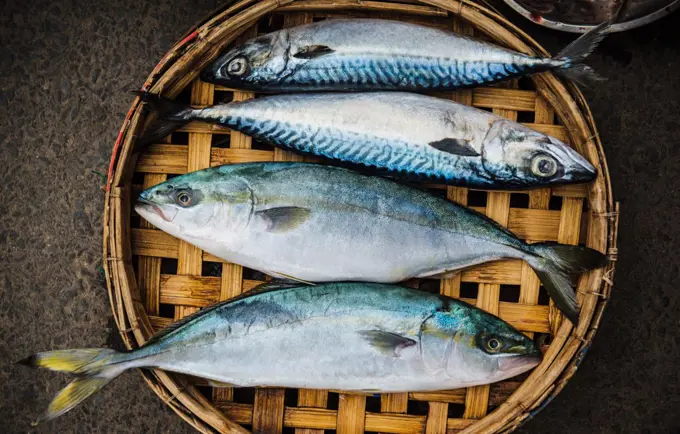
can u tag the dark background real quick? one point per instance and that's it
(65, 69)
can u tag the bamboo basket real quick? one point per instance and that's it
(155, 279)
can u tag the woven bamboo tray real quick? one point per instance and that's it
(155, 279)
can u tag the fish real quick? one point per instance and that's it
(318, 223)
(357, 337)
(376, 54)
(407, 135)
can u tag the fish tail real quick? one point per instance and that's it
(554, 263)
(573, 55)
(95, 369)
(171, 115)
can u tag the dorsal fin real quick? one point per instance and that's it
(260, 289)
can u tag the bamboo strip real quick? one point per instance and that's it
(201, 127)
(571, 190)
(499, 392)
(504, 99)
(268, 411)
(172, 159)
(437, 418)
(323, 419)
(159, 323)
(556, 131)
(394, 402)
(222, 156)
(351, 414)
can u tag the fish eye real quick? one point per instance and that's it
(237, 66)
(543, 165)
(493, 345)
(184, 198)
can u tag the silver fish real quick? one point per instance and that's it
(369, 54)
(354, 337)
(400, 133)
(317, 223)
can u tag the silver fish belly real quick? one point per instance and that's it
(369, 54)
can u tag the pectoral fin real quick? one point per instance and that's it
(312, 51)
(455, 146)
(390, 344)
(284, 219)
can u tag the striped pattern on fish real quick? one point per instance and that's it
(369, 54)
(416, 73)
(407, 134)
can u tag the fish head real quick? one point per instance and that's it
(257, 62)
(475, 347)
(516, 155)
(198, 205)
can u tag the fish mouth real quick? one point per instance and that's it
(208, 74)
(145, 207)
(519, 364)
(579, 168)
(584, 172)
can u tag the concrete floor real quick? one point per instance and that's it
(66, 67)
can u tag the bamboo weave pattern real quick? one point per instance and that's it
(174, 279)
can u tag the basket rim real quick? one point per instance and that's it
(176, 69)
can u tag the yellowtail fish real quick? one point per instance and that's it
(354, 336)
(318, 223)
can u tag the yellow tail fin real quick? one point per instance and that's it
(73, 361)
(96, 368)
(73, 394)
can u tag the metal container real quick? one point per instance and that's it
(579, 16)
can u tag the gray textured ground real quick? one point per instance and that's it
(65, 67)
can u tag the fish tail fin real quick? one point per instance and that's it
(573, 55)
(553, 263)
(171, 115)
(95, 369)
